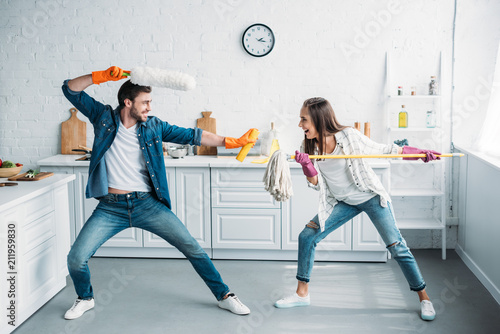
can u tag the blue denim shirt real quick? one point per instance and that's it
(151, 134)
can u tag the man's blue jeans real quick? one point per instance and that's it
(115, 213)
(385, 223)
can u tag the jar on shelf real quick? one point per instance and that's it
(403, 118)
(413, 90)
(433, 86)
(430, 119)
(400, 90)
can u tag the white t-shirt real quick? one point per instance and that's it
(125, 163)
(340, 181)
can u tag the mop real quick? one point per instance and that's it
(157, 77)
(277, 178)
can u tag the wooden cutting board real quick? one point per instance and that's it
(209, 124)
(73, 133)
(22, 177)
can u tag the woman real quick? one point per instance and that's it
(348, 187)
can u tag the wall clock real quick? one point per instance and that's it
(258, 40)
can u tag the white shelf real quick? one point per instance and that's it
(393, 129)
(411, 97)
(412, 192)
(434, 189)
(420, 223)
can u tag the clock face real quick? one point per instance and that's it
(258, 40)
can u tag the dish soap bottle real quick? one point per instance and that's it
(403, 118)
(268, 141)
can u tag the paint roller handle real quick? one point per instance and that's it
(250, 137)
(382, 156)
(114, 73)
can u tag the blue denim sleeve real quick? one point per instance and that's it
(179, 135)
(83, 102)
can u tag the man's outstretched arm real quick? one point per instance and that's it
(113, 73)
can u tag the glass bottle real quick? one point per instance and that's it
(433, 86)
(430, 119)
(403, 118)
(413, 90)
(400, 90)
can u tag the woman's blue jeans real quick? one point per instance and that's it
(385, 223)
(113, 214)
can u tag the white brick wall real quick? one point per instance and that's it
(334, 49)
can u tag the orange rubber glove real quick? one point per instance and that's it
(239, 142)
(114, 73)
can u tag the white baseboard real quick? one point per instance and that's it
(481, 276)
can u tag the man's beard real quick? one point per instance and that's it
(136, 114)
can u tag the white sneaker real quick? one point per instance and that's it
(293, 301)
(233, 304)
(79, 307)
(427, 310)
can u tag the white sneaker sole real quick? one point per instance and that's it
(234, 311)
(290, 305)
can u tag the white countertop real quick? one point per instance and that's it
(487, 158)
(191, 161)
(11, 196)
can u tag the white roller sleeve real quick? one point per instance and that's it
(157, 77)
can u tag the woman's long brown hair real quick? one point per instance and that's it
(324, 120)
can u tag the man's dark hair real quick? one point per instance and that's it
(130, 91)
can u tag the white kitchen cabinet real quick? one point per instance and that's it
(358, 235)
(415, 184)
(193, 202)
(189, 190)
(131, 237)
(244, 215)
(246, 228)
(300, 209)
(35, 216)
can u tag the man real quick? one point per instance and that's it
(127, 175)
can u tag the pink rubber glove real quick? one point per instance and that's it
(431, 155)
(307, 165)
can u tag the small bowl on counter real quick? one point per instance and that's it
(177, 151)
(8, 172)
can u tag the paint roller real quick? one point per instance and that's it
(157, 77)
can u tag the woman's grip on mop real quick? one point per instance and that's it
(430, 154)
(231, 142)
(306, 163)
(114, 73)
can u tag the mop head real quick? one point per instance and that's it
(156, 77)
(277, 178)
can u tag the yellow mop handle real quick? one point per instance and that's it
(446, 155)
(244, 150)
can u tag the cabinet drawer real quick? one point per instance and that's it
(38, 207)
(243, 198)
(237, 177)
(38, 231)
(246, 228)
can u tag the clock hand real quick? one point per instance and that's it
(260, 40)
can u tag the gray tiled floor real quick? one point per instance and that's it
(156, 296)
